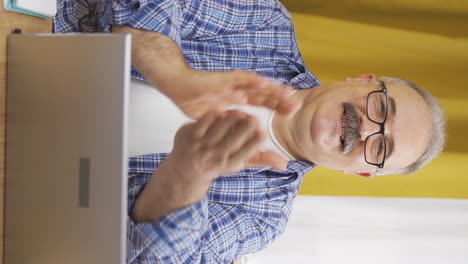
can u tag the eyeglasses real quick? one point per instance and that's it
(375, 147)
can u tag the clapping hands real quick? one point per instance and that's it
(217, 144)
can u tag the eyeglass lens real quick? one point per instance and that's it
(376, 111)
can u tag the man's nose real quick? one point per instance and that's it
(367, 128)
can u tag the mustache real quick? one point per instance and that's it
(352, 135)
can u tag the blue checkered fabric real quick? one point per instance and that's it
(214, 35)
(241, 213)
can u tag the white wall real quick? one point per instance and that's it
(364, 230)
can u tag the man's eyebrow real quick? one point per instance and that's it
(392, 105)
(390, 142)
(390, 147)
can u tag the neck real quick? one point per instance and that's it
(283, 129)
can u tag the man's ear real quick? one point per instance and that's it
(364, 77)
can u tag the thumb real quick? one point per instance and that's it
(268, 158)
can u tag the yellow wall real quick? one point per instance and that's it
(423, 41)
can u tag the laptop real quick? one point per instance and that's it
(66, 149)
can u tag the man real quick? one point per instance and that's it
(194, 205)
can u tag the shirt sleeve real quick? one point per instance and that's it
(89, 16)
(173, 233)
(162, 16)
(215, 230)
(235, 231)
(247, 212)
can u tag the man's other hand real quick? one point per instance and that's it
(161, 61)
(198, 93)
(217, 144)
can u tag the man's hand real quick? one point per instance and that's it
(220, 143)
(161, 61)
(197, 93)
(217, 144)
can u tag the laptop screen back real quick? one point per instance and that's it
(66, 148)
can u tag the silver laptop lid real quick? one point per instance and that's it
(66, 149)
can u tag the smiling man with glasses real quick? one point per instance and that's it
(224, 184)
(365, 126)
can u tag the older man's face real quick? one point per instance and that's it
(318, 125)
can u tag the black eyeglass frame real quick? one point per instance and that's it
(381, 125)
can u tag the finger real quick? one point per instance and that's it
(221, 127)
(235, 97)
(237, 84)
(248, 80)
(221, 107)
(269, 158)
(275, 97)
(239, 133)
(237, 160)
(271, 102)
(255, 89)
(282, 101)
(202, 125)
(268, 101)
(245, 86)
(286, 103)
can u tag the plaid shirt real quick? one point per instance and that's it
(241, 213)
(214, 35)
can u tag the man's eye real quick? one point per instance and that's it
(382, 108)
(380, 148)
(378, 108)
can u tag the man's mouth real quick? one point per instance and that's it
(343, 128)
(350, 129)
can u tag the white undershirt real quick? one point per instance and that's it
(154, 120)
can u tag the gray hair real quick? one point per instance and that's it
(437, 135)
